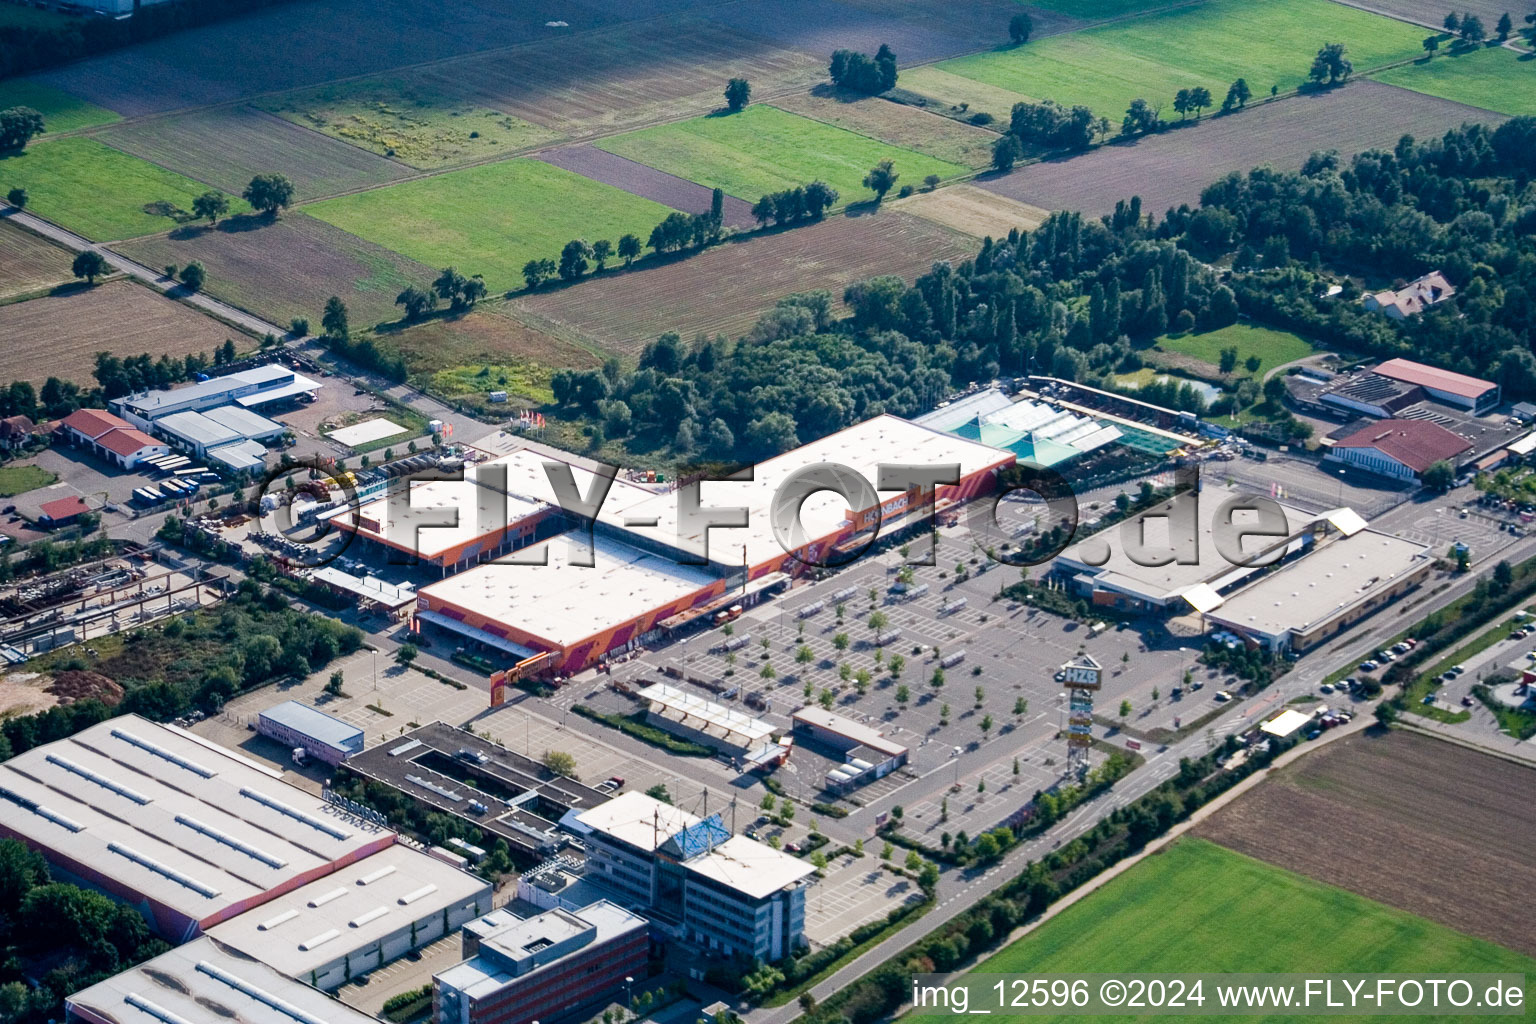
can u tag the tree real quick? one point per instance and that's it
(561, 763)
(903, 695)
(18, 126)
(1140, 117)
(1019, 28)
(333, 685)
(1020, 706)
(1472, 31)
(819, 197)
(1505, 26)
(877, 622)
(17, 197)
(406, 655)
(334, 319)
(841, 642)
(881, 179)
(629, 248)
(1439, 476)
(1238, 95)
(536, 272)
(1006, 152)
(1125, 708)
(90, 265)
(738, 93)
(602, 252)
(193, 275)
(1331, 66)
(269, 193)
(1228, 358)
(1199, 99)
(986, 724)
(1452, 22)
(1503, 576)
(416, 302)
(937, 679)
(573, 259)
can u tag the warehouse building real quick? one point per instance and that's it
(185, 831)
(1343, 576)
(203, 433)
(359, 918)
(110, 437)
(496, 508)
(1400, 449)
(1456, 389)
(828, 527)
(1101, 570)
(692, 717)
(572, 611)
(554, 967)
(205, 981)
(261, 387)
(322, 737)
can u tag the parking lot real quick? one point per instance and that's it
(854, 891)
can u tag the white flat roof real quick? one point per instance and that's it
(391, 595)
(1320, 585)
(562, 603)
(1285, 723)
(862, 447)
(637, 819)
(349, 909)
(706, 716)
(753, 869)
(1163, 582)
(482, 511)
(201, 981)
(185, 823)
(856, 732)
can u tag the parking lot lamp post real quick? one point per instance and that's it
(1341, 488)
(628, 981)
(374, 657)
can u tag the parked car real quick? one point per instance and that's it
(1458, 669)
(1466, 701)
(1368, 666)
(1222, 696)
(1325, 688)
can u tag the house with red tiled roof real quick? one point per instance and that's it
(110, 437)
(1413, 298)
(1400, 449)
(62, 511)
(16, 431)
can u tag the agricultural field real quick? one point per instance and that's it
(408, 121)
(980, 24)
(657, 70)
(1099, 10)
(1274, 348)
(916, 32)
(491, 219)
(1211, 44)
(638, 179)
(59, 335)
(62, 112)
(1173, 167)
(710, 293)
(976, 212)
(228, 146)
(1493, 78)
(28, 263)
(1196, 906)
(1466, 816)
(289, 268)
(100, 192)
(763, 149)
(234, 59)
(959, 95)
(1430, 14)
(896, 124)
(450, 352)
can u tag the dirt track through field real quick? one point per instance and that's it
(640, 180)
(1431, 827)
(1173, 168)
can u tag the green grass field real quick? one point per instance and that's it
(764, 149)
(491, 219)
(1268, 42)
(100, 192)
(410, 122)
(1199, 907)
(61, 111)
(1494, 79)
(1097, 10)
(1274, 348)
(21, 479)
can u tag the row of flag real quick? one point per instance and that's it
(530, 420)
(1275, 490)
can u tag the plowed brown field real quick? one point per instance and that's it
(1414, 822)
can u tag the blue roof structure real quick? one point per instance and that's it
(696, 840)
(317, 725)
